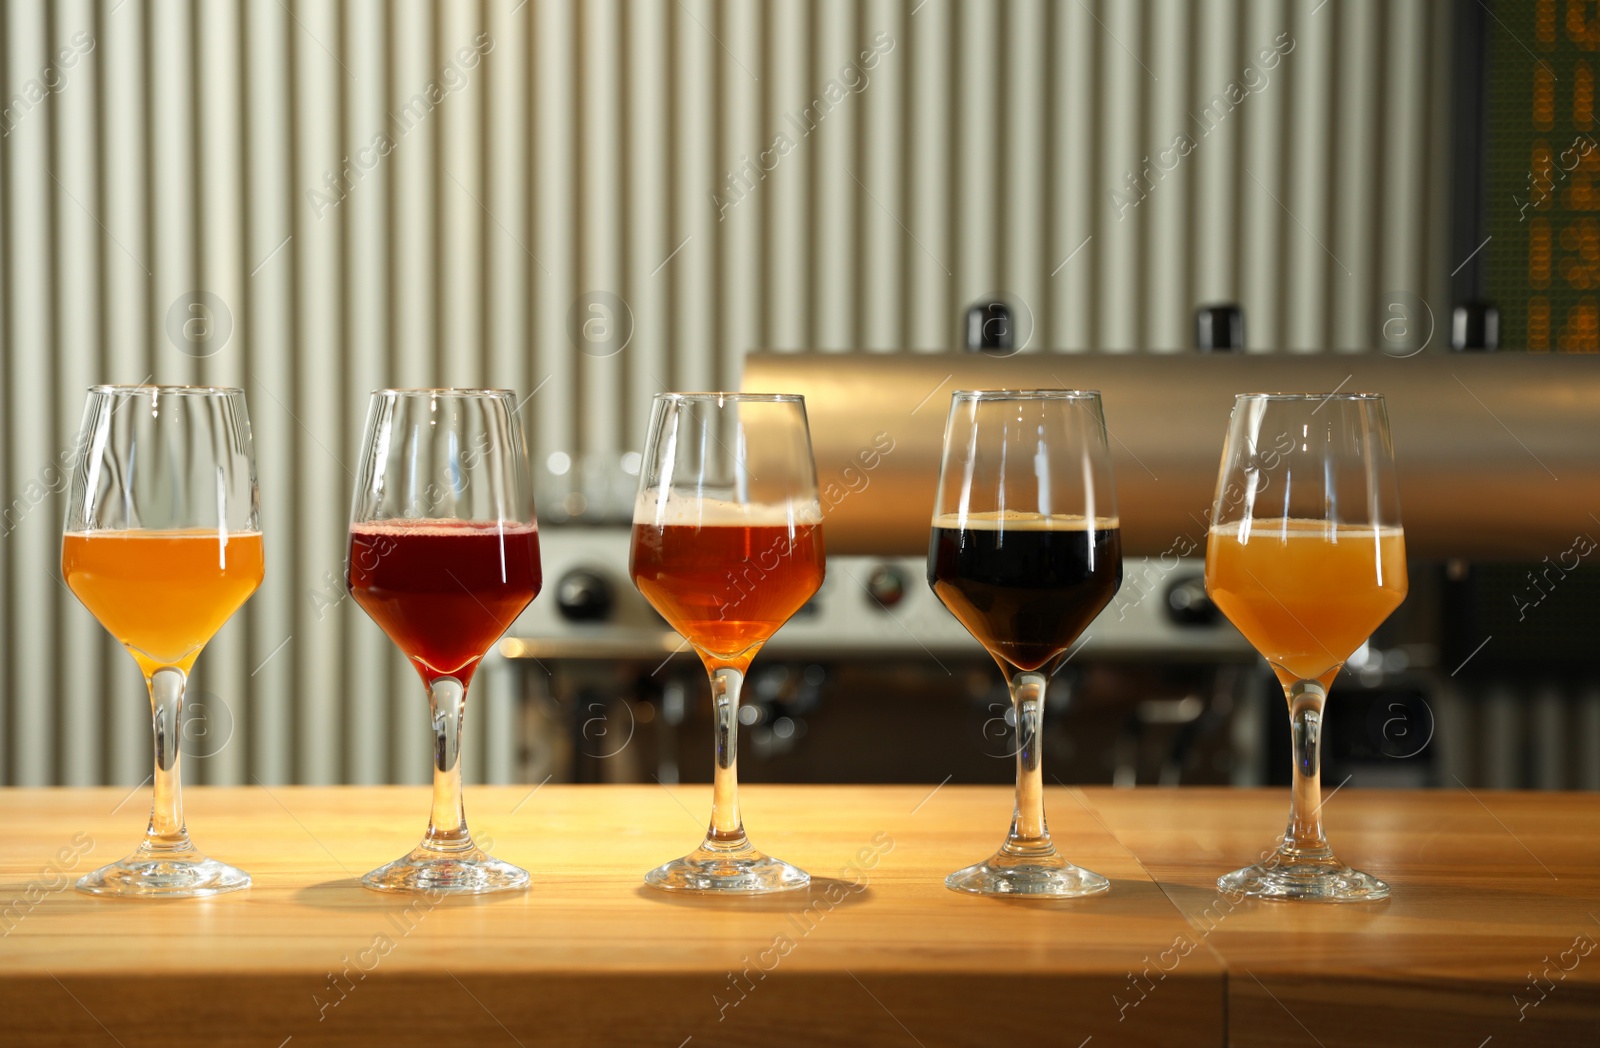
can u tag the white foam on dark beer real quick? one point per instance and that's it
(720, 513)
(1018, 520)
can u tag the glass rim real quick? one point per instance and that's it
(1307, 396)
(444, 391)
(171, 391)
(1025, 394)
(751, 398)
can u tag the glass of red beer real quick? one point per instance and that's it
(444, 555)
(727, 544)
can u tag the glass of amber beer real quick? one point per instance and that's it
(1026, 550)
(162, 544)
(727, 544)
(1306, 556)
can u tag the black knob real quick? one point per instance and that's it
(1475, 326)
(1188, 605)
(886, 586)
(1219, 328)
(584, 595)
(989, 328)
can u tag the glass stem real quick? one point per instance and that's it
(447, 827)
(1029, 837)
(1303, 838)
(727, 829)
(167, 832)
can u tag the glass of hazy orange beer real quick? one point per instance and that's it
(727, 545)
(1306, 557)
(162, 544)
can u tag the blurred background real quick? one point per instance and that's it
(592, 202)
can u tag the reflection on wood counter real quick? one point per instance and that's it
(1496, 904)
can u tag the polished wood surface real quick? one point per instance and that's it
(589, 955)
(1490, 929)
(1486, 887)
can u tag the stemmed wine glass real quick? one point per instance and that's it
(727, 544)
(444, 555)
(1026, 550)
(1306, 557)
(162, 544)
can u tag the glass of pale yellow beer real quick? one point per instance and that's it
(1306, 556)
(162, 543)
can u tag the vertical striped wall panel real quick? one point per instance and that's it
(431, 193)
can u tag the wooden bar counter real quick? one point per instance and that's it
(1489, 937)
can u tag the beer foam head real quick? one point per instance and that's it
(1019, 520)
(443, 526)
(160, 534)
(1285, 529)
(651, 508)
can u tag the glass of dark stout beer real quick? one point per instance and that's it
(727, 544)
(1026, 551)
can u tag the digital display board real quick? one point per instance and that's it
(1542, 209)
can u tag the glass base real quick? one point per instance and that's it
(1330, 881)
(1057, 879)
(470, 871)
(185, 875)
(742, 872)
